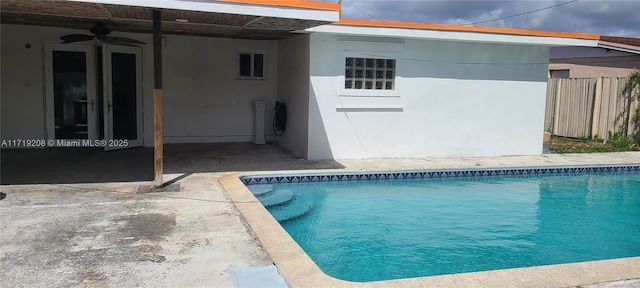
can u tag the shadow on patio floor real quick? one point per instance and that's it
(89, 165)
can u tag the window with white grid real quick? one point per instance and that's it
(251, 65)
(369, 73)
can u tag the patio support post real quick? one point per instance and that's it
(157, 99)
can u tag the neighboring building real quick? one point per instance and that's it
(353, 89)
(613, 57)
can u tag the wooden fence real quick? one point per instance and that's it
(589, 107)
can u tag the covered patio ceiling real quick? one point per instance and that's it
(245, 19)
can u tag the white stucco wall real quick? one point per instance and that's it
(439, 108)
(203, 100)
(293, 90)
(21, 92)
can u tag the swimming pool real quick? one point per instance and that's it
(475, 217)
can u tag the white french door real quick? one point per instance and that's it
(122, 96)
(70, 92)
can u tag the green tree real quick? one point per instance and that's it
(633, 87)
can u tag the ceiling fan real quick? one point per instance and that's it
(100, 31)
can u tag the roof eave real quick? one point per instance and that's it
(619, 47)
(562, 39)
(234, 7)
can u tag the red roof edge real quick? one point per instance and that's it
(621, 40)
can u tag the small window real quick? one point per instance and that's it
(251, 65)
(369, 74)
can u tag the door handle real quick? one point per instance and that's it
(108, 106)
(91, 104)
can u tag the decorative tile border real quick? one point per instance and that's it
(439, 174)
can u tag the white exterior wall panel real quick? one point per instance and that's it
(22, 83)
(293, 90)
(446, 102)
(204, 101)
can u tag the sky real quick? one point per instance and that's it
(603, 17)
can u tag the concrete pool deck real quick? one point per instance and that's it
(108, 234)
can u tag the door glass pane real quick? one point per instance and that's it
(123, 87)
(70, 94)
(100, 93)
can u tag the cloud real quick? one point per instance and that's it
(605, 17)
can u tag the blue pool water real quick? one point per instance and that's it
(391, 229)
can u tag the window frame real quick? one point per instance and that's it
(252, 54)
(375, 70)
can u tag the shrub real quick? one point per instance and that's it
(620, 142)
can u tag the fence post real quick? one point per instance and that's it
(631, 105)
(556, 116)
(597, 101)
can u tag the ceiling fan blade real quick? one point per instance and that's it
(107, 39)
(75, 38)
(127, 40)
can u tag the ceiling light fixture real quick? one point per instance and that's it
(182, 20)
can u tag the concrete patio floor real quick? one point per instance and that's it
(69, 220)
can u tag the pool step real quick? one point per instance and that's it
(276, 199)
(261, 190)
(297, 208)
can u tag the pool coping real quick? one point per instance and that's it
(299, 270)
